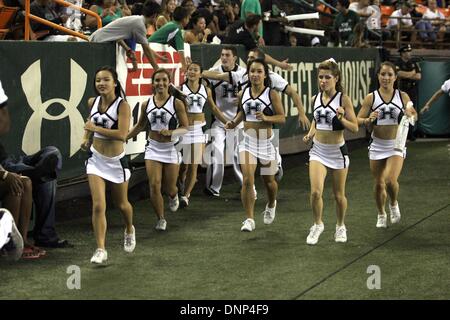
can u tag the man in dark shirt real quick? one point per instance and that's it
(273, 35)
(344, 23)
(44, 9)
(243, 32)
(409, 74)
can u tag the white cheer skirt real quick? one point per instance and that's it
(262, 149)
(164, 152)
(113, 169)
(382, 149)
(333, 156)
(194, 135)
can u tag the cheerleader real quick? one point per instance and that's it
(167, 120)
(108, 122)
(259, 107)
(382, 111)
(197, 94)
(333, 112)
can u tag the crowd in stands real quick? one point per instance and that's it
(357, 23)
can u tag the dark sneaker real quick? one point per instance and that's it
(211, 192)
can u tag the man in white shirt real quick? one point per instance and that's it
(369, 14)
(433, 20)
(401, 19)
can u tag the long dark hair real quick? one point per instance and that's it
(266, 70)
(118, 91)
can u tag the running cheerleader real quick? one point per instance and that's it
(197, 94)
(382, 111)
(166, 117)
(333, 112)
(259, 107)
(109, 122)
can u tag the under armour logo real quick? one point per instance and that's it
(31, 83)
(253, 107)
(228, 91)
(386, 112)
(323, 117)
(158, 115)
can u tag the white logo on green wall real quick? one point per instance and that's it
(31, 83)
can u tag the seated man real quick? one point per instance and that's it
(42, 169)
(400, 20)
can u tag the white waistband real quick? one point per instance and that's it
(118, 157)
(326, 145)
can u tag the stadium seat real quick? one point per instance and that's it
(386, 12)
(445, 11)
(7, 16)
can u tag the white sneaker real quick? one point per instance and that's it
(100, 256)
(248, 225)
(394, 213)
(161, 225)
(341, 234)
(174, 203)
(184, 202)
(314, 233)
(129, 242)
(382, 221)
(269, 213)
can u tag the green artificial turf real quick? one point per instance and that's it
(203, 254)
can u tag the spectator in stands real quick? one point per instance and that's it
(189, 6)
(199, 33)
(171, 34)
(293, 40)
(133, 27)
(206, 10)
(358, 40)
(253, 7)
(408, 75)
(433, 21)
(272, 23)
(166, 14)
(371, 15)
(242, 33)
(45, 9)
(108, 10)
(401, 20)
(344, 23)
(226, 15)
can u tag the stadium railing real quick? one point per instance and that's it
(29, 16)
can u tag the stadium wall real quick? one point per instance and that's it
(48, 87)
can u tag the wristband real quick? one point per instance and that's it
(5, 175)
